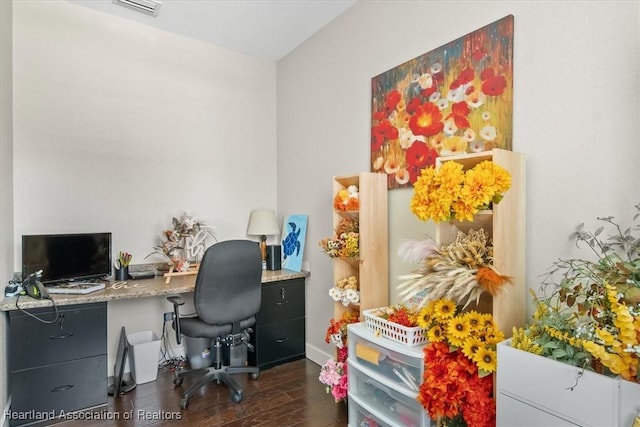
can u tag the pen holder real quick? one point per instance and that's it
(122, 273)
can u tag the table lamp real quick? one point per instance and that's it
(263, 223)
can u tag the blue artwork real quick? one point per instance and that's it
(293, 234)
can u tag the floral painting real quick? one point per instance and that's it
(453, 100)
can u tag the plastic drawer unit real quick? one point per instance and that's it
(384, 379)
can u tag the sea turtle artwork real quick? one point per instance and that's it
(291, 242)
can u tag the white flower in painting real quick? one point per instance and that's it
(450, 127)
(488, 133)
(486, 115)
(434, 96)
(475, 99)
(390, 166)
(402, 176)
(407, 137)
(457, 94)
(436, 68)
(442, 104)
(425, 81)
(476, 146)
(469, 135)
(377, 163)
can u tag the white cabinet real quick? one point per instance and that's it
(537, 391)
(384, 378)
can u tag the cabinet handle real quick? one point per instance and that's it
(62, 388)
(60, 337)
(285, 302)
(281, 340)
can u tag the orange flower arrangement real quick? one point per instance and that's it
(458, 359)
(347, 199)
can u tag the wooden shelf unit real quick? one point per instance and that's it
(372, 267)
(505, 224)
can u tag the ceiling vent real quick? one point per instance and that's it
(149, 7)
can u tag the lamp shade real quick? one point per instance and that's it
(263, 223)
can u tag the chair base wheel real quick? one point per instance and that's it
(236, 397)
(184, 403)
(254, 375)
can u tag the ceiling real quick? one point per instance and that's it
(265, 29)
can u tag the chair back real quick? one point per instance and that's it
(229, 280)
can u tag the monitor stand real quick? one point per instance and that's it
(120, 384)
(125, 387)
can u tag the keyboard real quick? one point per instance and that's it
(76, 288)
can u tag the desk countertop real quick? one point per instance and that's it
(134, 289)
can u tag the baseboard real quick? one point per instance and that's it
(316, 355)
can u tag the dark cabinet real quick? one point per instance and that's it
(280, 324)
(59, 366)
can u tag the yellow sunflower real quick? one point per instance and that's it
(471, 347)
(493, 336)
(455, 341)
(458, 328)
(444, 308)
(424, 317)
(435, 334)
(485, 358)
(473, 319)
(486, 321)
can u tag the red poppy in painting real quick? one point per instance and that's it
(494, 86)
(487, 73)
(428, 91)
(478, 54)
(380, 115)
(392, 100)
(459, 113)
(466, 75)
(420, 156)
(412, 105)
(376, 140)
(427, 120)
(380, 132)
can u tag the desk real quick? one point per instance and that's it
(63, 365)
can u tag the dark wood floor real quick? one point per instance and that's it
(286, 395)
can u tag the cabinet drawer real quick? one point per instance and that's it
(390, 362)
(282, 301)
(514, 413)
(280, 341)
(362, 415)
(79, 332)
(64, 387)
(400, 408)
(582, 397)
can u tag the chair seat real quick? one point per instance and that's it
(196, 328)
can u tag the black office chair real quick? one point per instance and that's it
(227, 296)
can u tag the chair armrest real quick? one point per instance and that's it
(177, 302)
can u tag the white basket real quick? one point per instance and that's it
(404, 335)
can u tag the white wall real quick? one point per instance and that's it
(6, 180)
(576, 112)
(119, 126)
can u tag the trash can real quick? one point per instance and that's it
(144, 353)
(199, 352)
